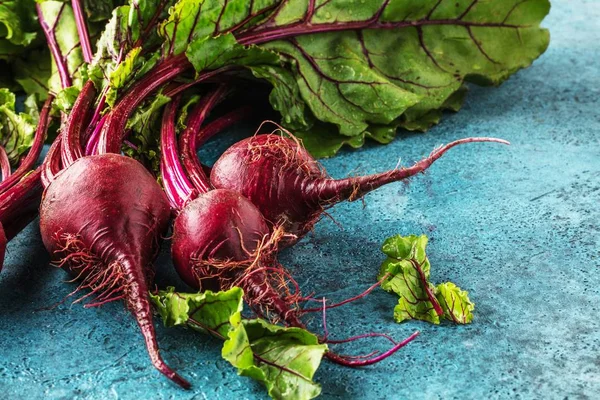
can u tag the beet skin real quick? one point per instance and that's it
(102, 220)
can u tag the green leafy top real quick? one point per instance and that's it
(365, 67)
(283, 359)
(125, 48)
(18, 27)
(17, 130)
(406, 272)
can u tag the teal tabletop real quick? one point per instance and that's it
(518, 227)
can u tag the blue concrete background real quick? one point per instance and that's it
(518, 227)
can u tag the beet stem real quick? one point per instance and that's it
(222, 123)
(35, 150)
(71, 148)
(19, 204)
(188, 143)
(111, 135)
(84, 38)
(52, 163)
(3, 241)
(357, 297)
(59, 60)
(432, 299)
(327, 190)
(92, 142)
(362, 363)
(364, 335)
(177, 186)
(4, 165)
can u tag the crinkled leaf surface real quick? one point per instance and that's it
(377, 61)
(125, 48)
(455, 303)
(18, 27)
(17, 130)
(283, 359)
(365, 66)
(408, 269)
(209, 312)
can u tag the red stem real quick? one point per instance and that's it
(187, 140)
(425, 284)
(52, 163)
(178, 188)
(364, 335)
(19, 204)
(357, 297)
(84, 37)
(306, 27)
(363, 363)
(3, 242)
(111, 135)
(328, 191)
(92, 142)
(35, 150)
(222, 123)
(71, 149)
(4, 166)
(63, 70)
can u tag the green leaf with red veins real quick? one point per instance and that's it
(215, 313)
(196, 21)
(285, 360)
(455, 303)
(398, 62)
(38, 73)
(406, 273)
(287, 99)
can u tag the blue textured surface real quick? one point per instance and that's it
(518, 227)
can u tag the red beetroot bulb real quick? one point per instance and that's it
(291, 188)
(221, 240)
(102, 219)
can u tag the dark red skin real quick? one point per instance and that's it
(272, 182)
(224, 226)
(118, 213)
(291, 189)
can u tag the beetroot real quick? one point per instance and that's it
(102, 219)
(221, 240)
(292, 189)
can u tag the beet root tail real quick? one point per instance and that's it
(328, 191)
(137, 300)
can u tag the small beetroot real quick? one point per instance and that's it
(291, 188)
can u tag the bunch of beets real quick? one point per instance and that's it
(103, 214)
